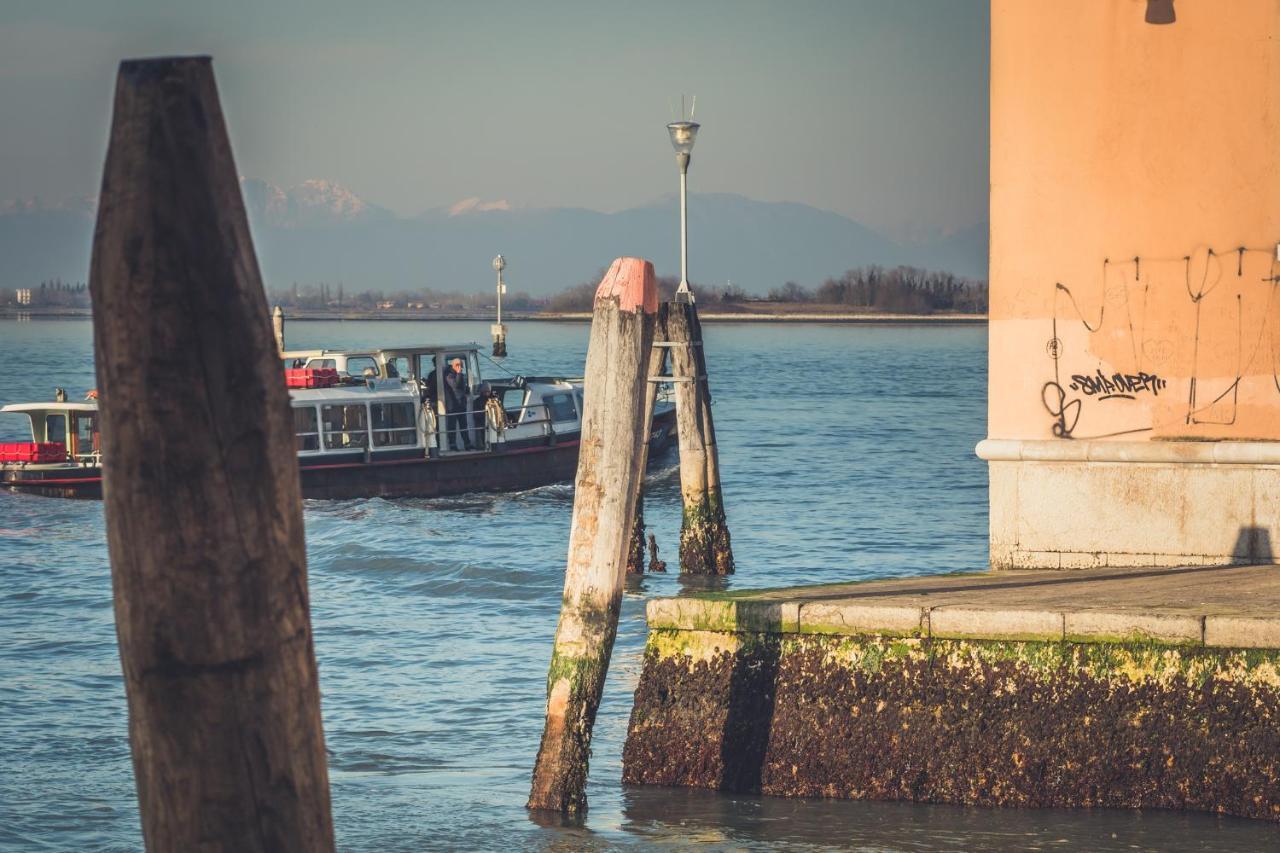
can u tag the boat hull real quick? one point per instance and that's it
(509, 470)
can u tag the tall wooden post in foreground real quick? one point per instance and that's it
(609, 470)
(202, 500)
(657, 362)
(704, 532)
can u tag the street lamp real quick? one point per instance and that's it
(498, 330)
(683, 134)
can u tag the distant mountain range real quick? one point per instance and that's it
(320, 231)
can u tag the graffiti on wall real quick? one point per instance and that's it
(1221, 295)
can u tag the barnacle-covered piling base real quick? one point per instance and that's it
(864, 692)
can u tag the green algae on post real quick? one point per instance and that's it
(610, 465)
(704, 531)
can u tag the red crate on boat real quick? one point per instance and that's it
(310, 377)
(33, 451)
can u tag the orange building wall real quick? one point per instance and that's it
(1113, 139)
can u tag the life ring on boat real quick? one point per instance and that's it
(495, 416)
(92, 395)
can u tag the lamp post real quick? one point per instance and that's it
(498, 330)
(683, 134)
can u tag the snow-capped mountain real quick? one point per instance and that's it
(315, 202)
(321, 231)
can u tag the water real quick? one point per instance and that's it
(847, 453)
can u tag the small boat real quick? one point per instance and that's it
(399, 422)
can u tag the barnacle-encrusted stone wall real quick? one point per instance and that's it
(983, 722)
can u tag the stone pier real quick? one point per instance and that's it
(1139, 688)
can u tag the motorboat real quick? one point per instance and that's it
(416, 421)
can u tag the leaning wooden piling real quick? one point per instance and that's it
(609, 471)
(657, 363)
(202, 501)
(277, 326)
(704, 532)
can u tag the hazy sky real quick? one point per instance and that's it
(876, 109)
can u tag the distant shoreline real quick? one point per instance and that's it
(708, 316)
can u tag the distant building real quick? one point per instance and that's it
(386, 304)
(24, 296)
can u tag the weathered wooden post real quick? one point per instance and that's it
(704, 532)
(657, 362)
(277, 326)
(635, 545)
(202, 500)
(606, 488)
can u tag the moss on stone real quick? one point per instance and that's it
(984, 722)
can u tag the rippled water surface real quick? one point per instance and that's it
(847, 453)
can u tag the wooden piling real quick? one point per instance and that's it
(657, 363)
(277, 326)
(635, 544)
(202, 501)
(704, 532)
(609, 471)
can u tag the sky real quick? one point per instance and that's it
(876, 110)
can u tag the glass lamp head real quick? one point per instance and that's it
(499, 263)
(683, 133)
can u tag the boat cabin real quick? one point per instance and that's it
(73, 427)
(384, 402)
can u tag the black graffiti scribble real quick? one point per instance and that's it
(1118, 385)
(1066, 413)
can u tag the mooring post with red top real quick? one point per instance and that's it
(202, 498)
(610, 464)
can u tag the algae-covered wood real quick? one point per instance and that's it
(704, 531)
(610, 461)
(657, 362)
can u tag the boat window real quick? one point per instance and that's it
(560, 407)
(577, 396)
(85, 431)
(322, 363)
(513, 401)
(13, 428)
(394, 424)
(359, 364)
(306, 427)
(346, 427)
(55, 428)
(398, 366)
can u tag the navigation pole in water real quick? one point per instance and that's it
(605, 492)
(499, 331)
(203, 512)
(704, 531)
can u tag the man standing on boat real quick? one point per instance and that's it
(455, 405)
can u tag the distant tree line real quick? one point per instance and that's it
(51, 293)
(325, 295)
(900, 290)
(581, 297)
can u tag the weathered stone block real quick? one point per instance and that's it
(989, 723)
